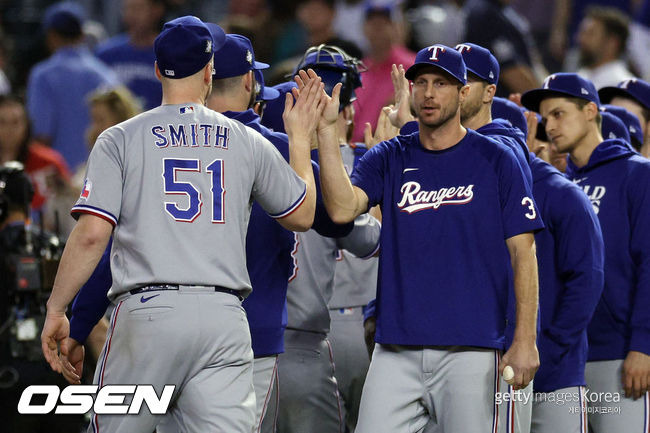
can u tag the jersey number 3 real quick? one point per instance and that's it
(171, 186)
(528, 202)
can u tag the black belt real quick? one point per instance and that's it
(157, 287)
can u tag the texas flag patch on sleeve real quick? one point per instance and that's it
(85, 191)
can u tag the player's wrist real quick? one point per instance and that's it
(55, 309)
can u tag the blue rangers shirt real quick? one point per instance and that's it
(444, 268)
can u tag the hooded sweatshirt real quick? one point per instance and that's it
(617, 181)
(570, 254)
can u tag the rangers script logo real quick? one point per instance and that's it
(414, 199)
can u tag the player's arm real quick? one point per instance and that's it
(344, 201)
(579, 254)
(300, 121)
(82, 252)
(523, 356)
(87, 324)
(636, 367)
(363, 240)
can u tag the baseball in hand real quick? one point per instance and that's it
(508, 373)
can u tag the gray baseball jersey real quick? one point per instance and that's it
(159, 175)
(311, 288)
(355, 280)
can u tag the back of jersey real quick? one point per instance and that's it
(178, 182)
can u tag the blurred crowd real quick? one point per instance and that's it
(69, 70)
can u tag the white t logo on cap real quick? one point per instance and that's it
(435, 49)
(462, 47)
(249, 57)
(626, 83)
(548, 80)
(208, 46)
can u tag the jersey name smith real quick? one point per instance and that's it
(415, 199)
(191, 135)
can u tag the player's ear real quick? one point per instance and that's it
(158, 74)
(464, 91)
(207, 72)
(489, 92)
(590, 110)
(248, 81)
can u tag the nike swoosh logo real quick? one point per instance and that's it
(409, 169)
(577, 181)
(143, 299)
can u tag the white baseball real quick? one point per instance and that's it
(508, 373)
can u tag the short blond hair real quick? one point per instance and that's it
(119, 100)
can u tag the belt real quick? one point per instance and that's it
(158, 287)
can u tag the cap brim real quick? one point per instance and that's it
(606, 94)
(533, 98)
(269, 93)
(412, 72)
(218, 36)
(260, 65)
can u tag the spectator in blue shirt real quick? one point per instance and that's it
(130, 55)
(58, 86)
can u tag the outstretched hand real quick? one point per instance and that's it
(385, 129)
(400, 113)
(302, 117)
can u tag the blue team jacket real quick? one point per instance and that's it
(268, 257)
(570, 255)
(617, 181)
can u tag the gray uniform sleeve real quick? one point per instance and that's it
(277, 188)
(101, 194)
(363, 240)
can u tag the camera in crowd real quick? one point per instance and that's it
(29, 259)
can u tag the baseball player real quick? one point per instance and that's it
(443, 279)
(634, 96)
(355, 278)
(309, 399)
(617, 181)
(570, 259)
(151, 175)
(476, 113)
(234, 94)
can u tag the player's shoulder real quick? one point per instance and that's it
(488, 147)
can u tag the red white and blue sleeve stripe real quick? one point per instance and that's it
(92, 210)
(291, 209)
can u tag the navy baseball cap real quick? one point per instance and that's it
(186, 45)
(263, 93)
(442, 57)
(613, 127)
(65, 18)
(630, 121)
(635, 89)
(272, 117)
(480, 62)
(504, 109)
(236, 57)
(562, 84)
